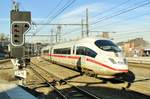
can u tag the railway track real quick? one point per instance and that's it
(52, 81)
(4, 61)
(4, 64)
(128, 86)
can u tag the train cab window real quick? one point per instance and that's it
(62, 51)
(107, 45)
(86, 51)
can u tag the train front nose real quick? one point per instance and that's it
(119, 65)
(120, 68)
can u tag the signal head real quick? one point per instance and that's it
(18, 31)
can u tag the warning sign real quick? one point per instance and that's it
(21, 73)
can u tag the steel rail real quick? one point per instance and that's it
(52, 86)
(58, 79)
(4, 61)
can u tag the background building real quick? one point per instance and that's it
(135, 47)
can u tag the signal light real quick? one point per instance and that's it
(16, 25)
(26, 25)
(16, 41)
(16, 30)
(16, 35)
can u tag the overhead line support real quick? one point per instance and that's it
(56, 24)
(87, 23)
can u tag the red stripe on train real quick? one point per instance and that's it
(55, 55)
(61, 56)
(101, 64)
(90, 60)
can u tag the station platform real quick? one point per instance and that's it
(13, 91)
(141, 60)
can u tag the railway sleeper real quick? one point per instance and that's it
(62, 82)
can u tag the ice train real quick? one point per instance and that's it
(101, 57)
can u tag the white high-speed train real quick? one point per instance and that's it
(98, 56)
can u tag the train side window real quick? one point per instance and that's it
(62, 51)
(80, 50)
(46, 51)
(86, 51)
(90, 52)
(55, 51)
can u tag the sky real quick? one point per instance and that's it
(123, 27)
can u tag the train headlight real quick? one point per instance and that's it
(112, 60)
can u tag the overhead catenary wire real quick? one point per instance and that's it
(129, 34)
(120, 13)
(117, 14)
(136, 35)
(55, 8)
(132, 18)
(112, 8)
(67, 5)
(120, 21)
(62, 10)
(124, 9)
(50, 13)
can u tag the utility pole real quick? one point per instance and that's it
(56, 37)
(87, 23)
(82, 31)
(51, 37)
(59, 33)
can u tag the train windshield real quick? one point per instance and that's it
(107, 45)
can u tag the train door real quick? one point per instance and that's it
(81, 61)
(85, 53)
(72, 57)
